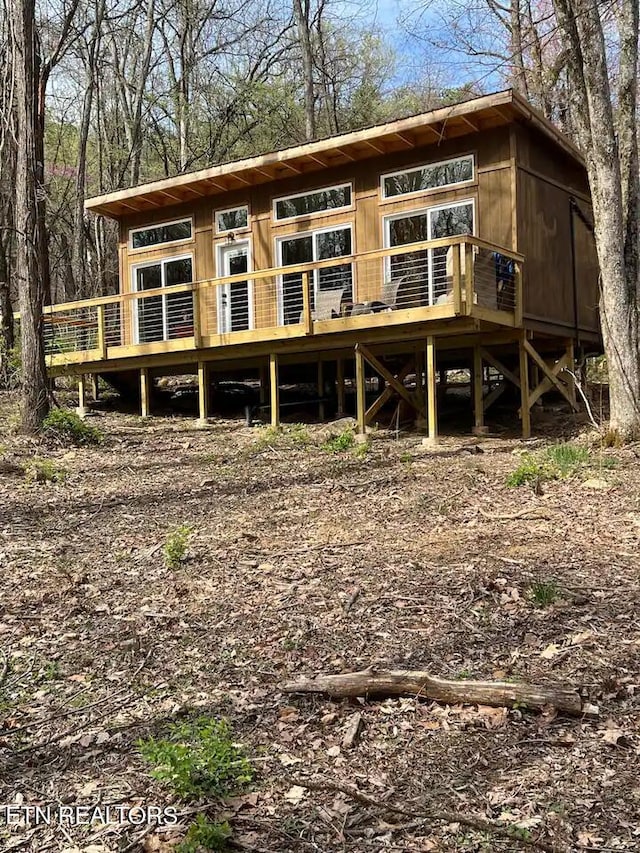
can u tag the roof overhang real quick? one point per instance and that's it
(479, 114)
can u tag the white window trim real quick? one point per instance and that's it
(343, 226)
(220, 249)
(440, 188)
(157, 246)
(388, 218)
(134, 289)
(327, 212)
(246, 227)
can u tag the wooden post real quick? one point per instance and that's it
(468, 277)
(432, 406)
(306, 305)
(275, 391)
(145, 392)
(321, 411)
(525, 413)
(361, 391)
(94, 386)
(518, 296)
(478, 407)
(197, 318)
(203, 392)
(82, 395)
(102, 337)
(341, 388)
(457, 279)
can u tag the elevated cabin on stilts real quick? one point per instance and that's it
(456, 238)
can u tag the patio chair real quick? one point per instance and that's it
(327, 304)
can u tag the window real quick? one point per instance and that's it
(163, 318)
(234, 219)
(303, 204)
(315, 246)
(155, 235)
(430, 177)
(420, 277)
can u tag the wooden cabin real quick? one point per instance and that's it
(456, 238)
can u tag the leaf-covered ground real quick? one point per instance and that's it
(302, 561)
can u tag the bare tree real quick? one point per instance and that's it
(606, 124)
(302, 18)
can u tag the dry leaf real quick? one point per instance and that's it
(550, 652)
(295, 794)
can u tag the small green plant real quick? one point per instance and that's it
(528, 471)
(464, 674)
(565, 459)
(205, 835)
(198, 758)
(66, 427)
(341, 443)
(175, 546)
(544, 593)
(299, 435)
(44, 471)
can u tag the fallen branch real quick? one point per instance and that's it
(477, 823)
(381, 682)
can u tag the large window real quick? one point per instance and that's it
(158, 317)
(420, 277)
(316, 201)
(156, 235)
(330, 287)
(430, 177)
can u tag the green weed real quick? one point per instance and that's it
(528, 471)
(44, 471)
(205, 835)
(341, 443)
(544, 593)
(554, 463)
(565, 459)
(198, 758)
(66, 427)
(176, 545)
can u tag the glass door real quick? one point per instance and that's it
(446, 221)
(235, 308)
(163, 318)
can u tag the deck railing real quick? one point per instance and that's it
(435, 279)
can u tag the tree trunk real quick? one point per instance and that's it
(301, 16)
(35, 401)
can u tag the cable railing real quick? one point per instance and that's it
(436, 279)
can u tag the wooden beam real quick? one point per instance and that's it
(387, 393)
(102, 337)
(340, 386)
(393, 382)
(499, 366)
(549, 373)
(275, 390)
(468, 277)
(478, 391)
(203, 391)
(541, 387)
(145, 392)
(432, 390)
(494, 395)
(306, 305)
(361, 391)
(95, 391)
(525, 403)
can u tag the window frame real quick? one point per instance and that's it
(226, 231)
(441, 188)
(156, 246)
(327, 212)
(134, 289)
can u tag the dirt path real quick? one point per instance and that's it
(299, 561)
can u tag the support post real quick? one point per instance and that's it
(95, 393)
(320, 386)
(306, 305)
(203, 392)
(432, 406)
(468, 277)
(275, 390)
(361, 391)
(478, 406)
(145, 392)
(518, 296)
(197, 318)
(525, 413)
(340, 388)
(82, 395)
(102, 336)
(457, 278)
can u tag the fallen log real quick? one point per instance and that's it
(374, 681)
